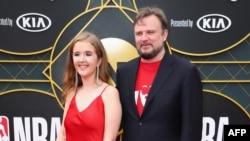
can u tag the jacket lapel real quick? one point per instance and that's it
(132, 80)
(164, 72)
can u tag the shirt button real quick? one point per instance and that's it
(140, 123)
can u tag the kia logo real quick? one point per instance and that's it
(213, 23)
(33, 22)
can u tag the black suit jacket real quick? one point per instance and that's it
(173, 110)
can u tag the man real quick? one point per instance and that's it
(161, 94)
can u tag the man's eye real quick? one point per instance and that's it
(138, 34)
(150, 32)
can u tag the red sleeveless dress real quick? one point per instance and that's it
(86, 125)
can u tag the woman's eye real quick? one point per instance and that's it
(88, 54)
(76, 54)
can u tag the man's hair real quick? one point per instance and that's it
(148, 11)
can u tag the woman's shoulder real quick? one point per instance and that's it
(70, 95)
(110, 95)
(69, 98)
(110, 90)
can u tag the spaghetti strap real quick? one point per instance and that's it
(104, 89)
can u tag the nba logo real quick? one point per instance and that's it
(4, 129)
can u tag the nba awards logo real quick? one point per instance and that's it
(4, 129)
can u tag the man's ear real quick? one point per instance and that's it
(165, 34)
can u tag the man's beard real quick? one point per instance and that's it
(151, 54)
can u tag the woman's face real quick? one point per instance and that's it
(85, 59)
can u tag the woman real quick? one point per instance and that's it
(92, 107)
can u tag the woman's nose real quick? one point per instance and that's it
(82, 58)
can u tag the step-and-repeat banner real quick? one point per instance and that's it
(34, 38)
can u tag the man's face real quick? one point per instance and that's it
(149, 37)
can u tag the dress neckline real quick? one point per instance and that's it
(97, 97)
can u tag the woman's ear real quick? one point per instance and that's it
(99, 62)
